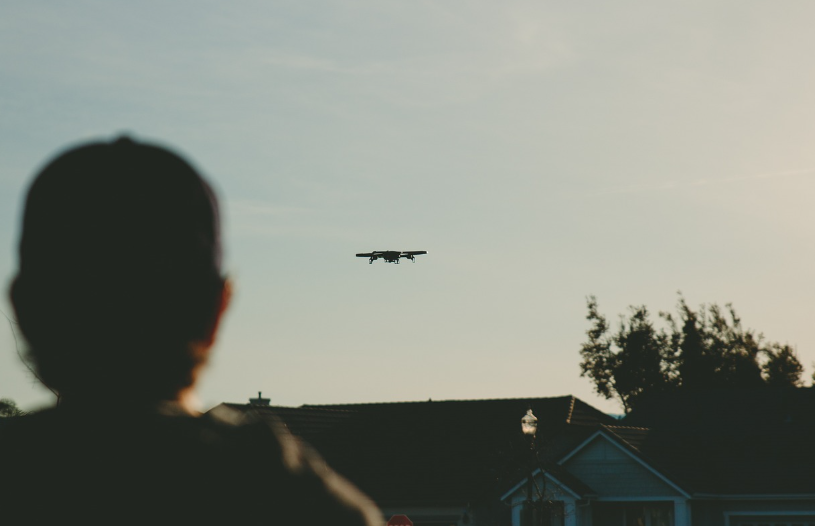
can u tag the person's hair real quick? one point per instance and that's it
(119, 271)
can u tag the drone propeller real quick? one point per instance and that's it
(411, 254)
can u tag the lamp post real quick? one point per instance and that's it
(529, 427)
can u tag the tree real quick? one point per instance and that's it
(599, 363)
(782, 367)
(8, 407)
(695, 364)
(641, 364)
(644, 359)
(708, 348)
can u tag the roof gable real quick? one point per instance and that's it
(551, 485)
(614, 472)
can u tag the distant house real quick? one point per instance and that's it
(714, 458)
(441, 463)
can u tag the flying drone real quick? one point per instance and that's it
(391, 256)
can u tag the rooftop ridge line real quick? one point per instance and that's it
(295, 407)
(621, 439)
(430, 401)
(610, 426)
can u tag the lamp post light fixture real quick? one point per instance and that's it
(529, 424)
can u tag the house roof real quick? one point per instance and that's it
(435, 452)
(715, 442)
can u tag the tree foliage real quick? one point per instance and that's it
(783, 368)
(8, 407)
(695, 349)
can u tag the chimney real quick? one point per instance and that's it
(259, 400)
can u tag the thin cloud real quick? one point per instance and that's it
(677, 185)
(255, 208)
(255, 218)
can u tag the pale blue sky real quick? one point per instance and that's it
(539, 151)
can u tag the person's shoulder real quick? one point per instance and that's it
(225, 416)
(260, 440)
(311, 490)
(264, 432)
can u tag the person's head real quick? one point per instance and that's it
(119, 290)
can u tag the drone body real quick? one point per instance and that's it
(391, 256)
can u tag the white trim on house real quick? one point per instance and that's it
(729, 514)
(546, 474)
(627, 498)
(682, 513)
(569, 512)
(768, 496)
(624, 450)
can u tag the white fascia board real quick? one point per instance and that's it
(635, 498)
(603, 434)
(768, 513)
(768, 496)
(515, 488)
(546, 474)
(561, 485)
(728, 515)
(580, 446)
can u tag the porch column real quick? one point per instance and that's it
(517, 507)
(682, 512)
(569, 513)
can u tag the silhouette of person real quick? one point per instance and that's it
(119, 295)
